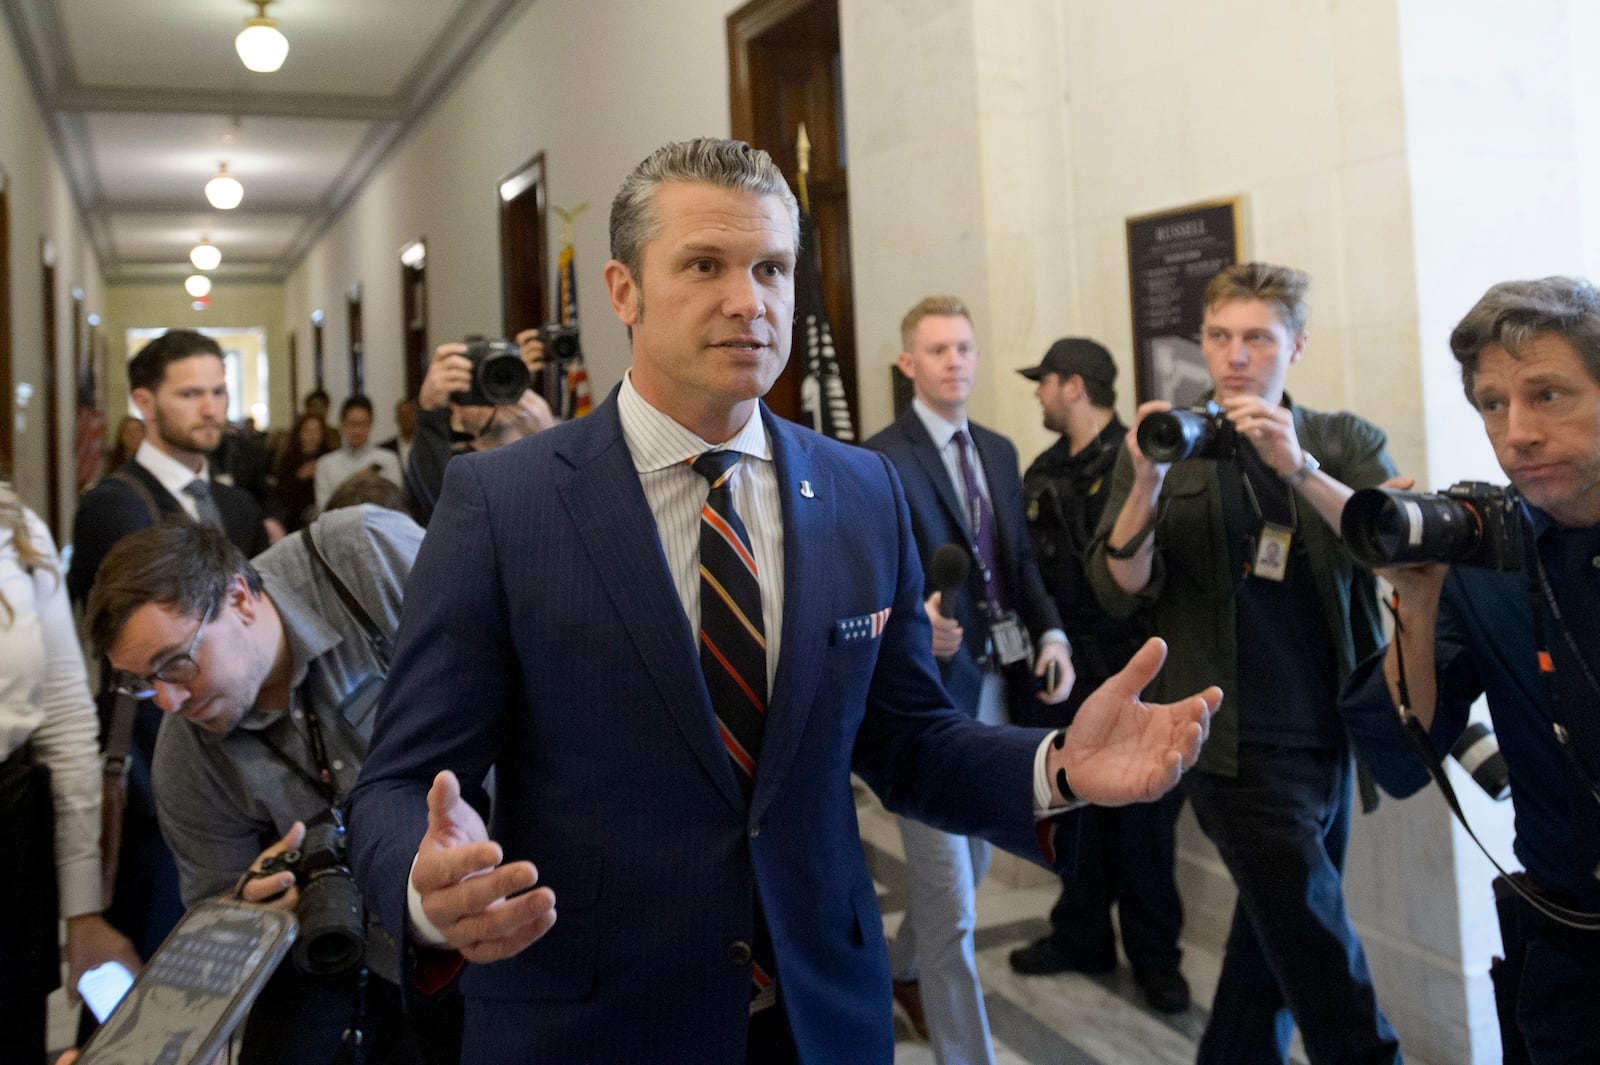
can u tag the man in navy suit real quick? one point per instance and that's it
(963, 487)
(551, 632)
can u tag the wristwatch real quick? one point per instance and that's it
(1308, 466)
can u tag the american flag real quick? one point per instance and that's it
(822, 389)
(579, 401)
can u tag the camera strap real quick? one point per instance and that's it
(1541, 592)
(1422, 745)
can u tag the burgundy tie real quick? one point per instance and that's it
(980, 522)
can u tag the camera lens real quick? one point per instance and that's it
(332, 924)
(1171, 436)
(1479, 754)
(1383, 527)
(502, 377)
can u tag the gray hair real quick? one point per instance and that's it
(725, 164)
(1513, 312)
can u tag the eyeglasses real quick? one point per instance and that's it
(179, 669)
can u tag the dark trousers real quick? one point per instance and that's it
(1556, 996)
(1282, 826)
(29, 966)
(1125, 856)
(301, 1020)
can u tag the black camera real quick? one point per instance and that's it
(499, 375)
(1471, 522)
(560, 342)
(1202, 432)
(333, 926)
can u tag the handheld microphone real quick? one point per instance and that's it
(948, 570)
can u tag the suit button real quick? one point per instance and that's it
(738, 953)
(755, 832)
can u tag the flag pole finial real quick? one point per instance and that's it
(568, 218)
(802, 147)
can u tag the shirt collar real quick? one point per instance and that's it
(657, 442)
(938, 427)
(172, 474)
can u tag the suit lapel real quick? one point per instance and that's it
(809, 524)
(927, 454)
(602, 495)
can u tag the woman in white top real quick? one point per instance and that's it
(47, 719)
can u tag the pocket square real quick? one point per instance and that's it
(865, 627)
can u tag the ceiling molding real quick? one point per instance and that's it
(74, 113)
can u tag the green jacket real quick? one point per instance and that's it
(1189, 591)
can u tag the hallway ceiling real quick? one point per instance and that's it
(145, 99)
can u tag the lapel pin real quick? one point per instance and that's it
(805, 490)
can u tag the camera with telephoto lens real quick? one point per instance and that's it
(1202, 432)
(333, 927)
(499, 376)
(560, 342)
(1471, 522)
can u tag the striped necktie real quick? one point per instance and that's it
(733, 657)
(733, 647)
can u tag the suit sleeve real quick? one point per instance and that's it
(109, 512)
(447, 690)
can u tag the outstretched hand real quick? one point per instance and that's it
(484, 909)
(1120, 749)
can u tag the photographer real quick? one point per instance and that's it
(269, 675)
(1234, 546)
(447, 427)
(1530, 363)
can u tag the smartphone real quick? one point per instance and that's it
(196, 988)
(103, 987)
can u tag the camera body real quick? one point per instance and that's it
(333, 926)
(1471, 522)
(560, 342)
(499, 376)
(1200, 432)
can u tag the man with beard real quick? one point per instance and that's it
(1125, 854)
(177, 383)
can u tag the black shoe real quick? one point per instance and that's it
(1166, 991)
(1043, 958)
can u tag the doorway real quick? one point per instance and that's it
(784, 69)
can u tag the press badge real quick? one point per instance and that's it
(1272, 551)
(1010, 639)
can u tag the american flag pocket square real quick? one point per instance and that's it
(866, 627)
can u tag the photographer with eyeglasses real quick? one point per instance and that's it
(268, 673)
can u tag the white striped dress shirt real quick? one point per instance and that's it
(662, 451)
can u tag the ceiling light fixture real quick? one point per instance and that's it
(224, 190)
(260, 45)
(205, 255)
(197, 285)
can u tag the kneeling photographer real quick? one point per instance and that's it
(477, 396)
(1499, 595)
(269, 673)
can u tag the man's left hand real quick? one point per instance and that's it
(1120, 749)
(1065, 677)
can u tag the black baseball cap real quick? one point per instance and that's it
(1075, 355)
